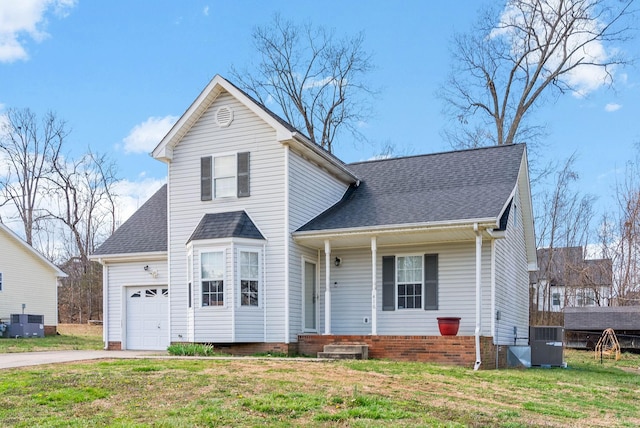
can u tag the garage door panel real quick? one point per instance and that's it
(147, 318)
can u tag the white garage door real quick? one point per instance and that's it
(148, 318)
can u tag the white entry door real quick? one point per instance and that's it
(310, 297)
(148, 318)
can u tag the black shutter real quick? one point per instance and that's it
(243, 174)
(205, 178)
(430, 281)
(389, 283)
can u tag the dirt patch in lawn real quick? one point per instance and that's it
(80, 329)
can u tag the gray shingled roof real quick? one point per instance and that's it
(460, 185)
(145, 231)
(235, 224)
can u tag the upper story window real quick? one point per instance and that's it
(224, 176)
(212, 278)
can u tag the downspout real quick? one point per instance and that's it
(286, 244)
(105, 305)
(478, 232)
(374, 315)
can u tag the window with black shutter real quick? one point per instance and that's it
(430, 281)
(389, 283)
(243, 175)
(205, 179)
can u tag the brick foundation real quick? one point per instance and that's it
(455, 350)
(114, 346)
(247, 349)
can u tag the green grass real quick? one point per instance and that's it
(50, 343)
(271, 392)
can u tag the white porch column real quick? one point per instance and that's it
(374, 314)
(478, 232)
(327, 287)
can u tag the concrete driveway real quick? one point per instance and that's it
(23, 359)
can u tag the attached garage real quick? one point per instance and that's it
(147, 318)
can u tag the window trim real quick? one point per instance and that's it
(225, 281)
(234, 193)
(241, 177)
(398, 284)
(248, 249)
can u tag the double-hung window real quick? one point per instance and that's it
(409, 282)
(212, 278)
(224, 176)
(249, 278)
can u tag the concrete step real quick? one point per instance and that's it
(345, 351)
(340, 355)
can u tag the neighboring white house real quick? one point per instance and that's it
(28, 281)
(567, 279)
(261, 238)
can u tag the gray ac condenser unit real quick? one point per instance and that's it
(26, 325)
(547, 345)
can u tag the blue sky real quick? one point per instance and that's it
(119, 73)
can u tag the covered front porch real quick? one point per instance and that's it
(352, 265)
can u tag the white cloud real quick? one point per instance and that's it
(205, 11)
(132, 194)
(26, 17)
(611, 107)
(145, 136)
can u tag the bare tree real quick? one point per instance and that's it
(620, 236)
(516, 57)
(84, 190)
(563, 220)
(315, 78)
(28, 148)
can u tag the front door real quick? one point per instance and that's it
(310, 299)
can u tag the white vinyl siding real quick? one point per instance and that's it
(311, 191)
(26, 279)
(247, 133)
(512, 282)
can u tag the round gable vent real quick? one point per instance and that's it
(224, 116)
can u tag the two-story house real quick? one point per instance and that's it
(263, 241)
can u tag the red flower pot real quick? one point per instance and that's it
(448, 325)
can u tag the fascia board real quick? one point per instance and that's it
(396, 228)
(129, 257)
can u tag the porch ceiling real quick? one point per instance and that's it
(394, 237)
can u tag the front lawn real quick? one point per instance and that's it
(285, 392)
(70, 337)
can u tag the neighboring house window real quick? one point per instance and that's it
(556, 299)
(249, 278)
(212, 278)
(410, 282)
(586, 298)
(224, 176)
